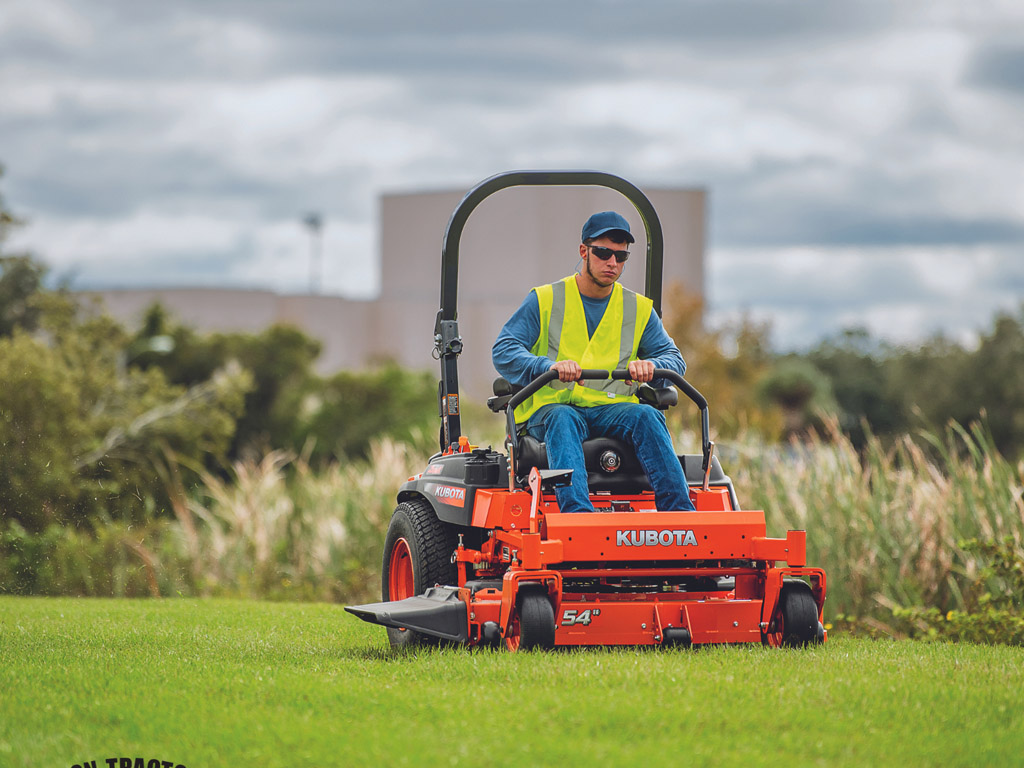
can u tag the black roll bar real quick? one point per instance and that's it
(447, 341)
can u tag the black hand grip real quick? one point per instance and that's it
(592, 373)
(548, 376)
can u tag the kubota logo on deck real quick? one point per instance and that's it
(665, 538)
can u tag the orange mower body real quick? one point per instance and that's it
(637, 577)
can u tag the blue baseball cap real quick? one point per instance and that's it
(605, 222)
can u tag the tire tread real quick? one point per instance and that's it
(432, 543)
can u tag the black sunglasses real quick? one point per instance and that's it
(606, 253)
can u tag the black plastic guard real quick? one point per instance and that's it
(438, 612)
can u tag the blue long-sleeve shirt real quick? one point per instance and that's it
(513, 359)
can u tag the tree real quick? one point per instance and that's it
(279, 358)
(81, 435)
(991, 381)
(7, 219)
(21, 279)
(860, 381)
(925, 386)
(801, 391)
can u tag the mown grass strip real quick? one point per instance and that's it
(233, 683)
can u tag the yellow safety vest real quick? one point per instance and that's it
(563, 336)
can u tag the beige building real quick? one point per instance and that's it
(516, 239)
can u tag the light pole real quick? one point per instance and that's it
(315, 223)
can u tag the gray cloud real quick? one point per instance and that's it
(109, 186)
(998, 66)
(628, 21)
(82, 169)
(173, 268)
(867, 206)
(815, 289)
(1008, 278)
(526, 40)
(795, 222)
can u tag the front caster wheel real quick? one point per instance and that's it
(533, 625)
(795, 621)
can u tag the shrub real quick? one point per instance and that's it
(993, 612)
(278, 358)
(109, 558)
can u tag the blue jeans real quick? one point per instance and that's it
(565, 427)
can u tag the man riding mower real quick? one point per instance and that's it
(587, 530)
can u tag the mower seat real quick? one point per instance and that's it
(612, 465)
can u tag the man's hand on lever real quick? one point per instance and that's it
(569, 370)
(641, 371)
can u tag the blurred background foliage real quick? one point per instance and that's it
(871, 386)
(160, 460)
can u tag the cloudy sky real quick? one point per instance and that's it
(864, 160)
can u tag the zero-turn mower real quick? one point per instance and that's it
(477, 551)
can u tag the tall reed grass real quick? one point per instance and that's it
(276, 528)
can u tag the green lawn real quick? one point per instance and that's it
(226, 683)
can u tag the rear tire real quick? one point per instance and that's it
(417, 555)
(533, 625)
(795, 621)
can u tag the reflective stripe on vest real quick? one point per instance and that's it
(563, 336)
